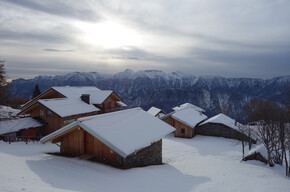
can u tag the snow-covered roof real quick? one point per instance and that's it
(124, 131)
(154, 111)
(77, 91)
(259, 149)
(187, 105)
(223, 119)
(14, 125)
(97, 96)
(121, 104)
(189, 116)
(65, 107)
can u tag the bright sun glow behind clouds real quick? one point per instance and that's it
(108, 35)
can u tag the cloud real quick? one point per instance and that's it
(58, 50)
(216, 37)
(81, 10)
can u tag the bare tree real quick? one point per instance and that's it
(246, 130)
(287, 148)
(267, 114)
(266, 132)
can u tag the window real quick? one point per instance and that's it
(182, 130)
(48, 113)
(41, 112)
(68, 121)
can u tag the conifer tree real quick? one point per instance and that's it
(36, 91)
(2, 74)
(3, 83)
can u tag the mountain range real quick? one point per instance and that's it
(148, 88)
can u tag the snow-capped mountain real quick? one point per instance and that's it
(155, 88)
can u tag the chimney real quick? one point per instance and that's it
(86, 98)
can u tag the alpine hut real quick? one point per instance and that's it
(125, 139)
(23, 128)
(59, 106)
(223, 126)
(185, 118)
(156, 112)
(258, 153)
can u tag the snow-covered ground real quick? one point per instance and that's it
(198, 164)
(7, 112)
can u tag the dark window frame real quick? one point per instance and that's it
(48, 113)
(41, 112)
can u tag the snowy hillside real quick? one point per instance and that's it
(199, 164)
(148, 88)
(7, 112)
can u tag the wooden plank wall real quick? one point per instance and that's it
(54, 122)
(102, 151)
(75, 143)
(109, 105)
(189, 132)
(28, 133)
(50, 94)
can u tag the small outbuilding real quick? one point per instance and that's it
(125, 139)
(185, 120)
(156, 112)
(23, 128)
(222, 126)
(258, 153)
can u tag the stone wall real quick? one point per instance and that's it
(151, 155)
(219, 130)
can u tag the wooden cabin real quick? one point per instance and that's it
(20, 129)
(223, 126)
(184, 120)
(156, 112)
(59, 106)
(105, 100)
(125, 139)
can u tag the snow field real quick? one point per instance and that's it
(198, 164)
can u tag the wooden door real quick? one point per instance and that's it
(89, 143)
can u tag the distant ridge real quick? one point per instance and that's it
(148, 88)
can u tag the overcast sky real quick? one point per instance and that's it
(231, 38)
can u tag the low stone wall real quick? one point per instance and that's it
(219, 130)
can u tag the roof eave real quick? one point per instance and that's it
(51, 136)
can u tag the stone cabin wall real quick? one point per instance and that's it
(219, 130)
(151, 155)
